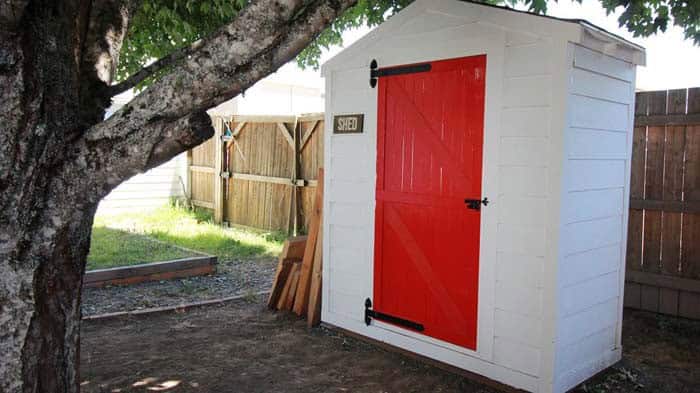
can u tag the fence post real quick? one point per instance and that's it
(294, 211)
(218, 167)
(188, 179)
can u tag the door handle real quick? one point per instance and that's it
(475, 204)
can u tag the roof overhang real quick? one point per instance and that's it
(611, 44)
(577, 31)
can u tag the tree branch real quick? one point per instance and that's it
(11, 12)
(105, 23)
(160, 64)
(266, 35)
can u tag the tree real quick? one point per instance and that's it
(60, 63)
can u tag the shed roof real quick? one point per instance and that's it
(577, 31)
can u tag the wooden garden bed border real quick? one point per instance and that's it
(156, 271)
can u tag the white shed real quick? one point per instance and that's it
(445, 107)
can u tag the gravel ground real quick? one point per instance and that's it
(233, 277)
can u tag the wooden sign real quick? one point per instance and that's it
(348, 124)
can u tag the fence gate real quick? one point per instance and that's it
(259, 171)
(663, 250)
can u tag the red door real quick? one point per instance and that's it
(429, 153)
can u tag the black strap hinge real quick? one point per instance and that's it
(375, 72)
(370, 314)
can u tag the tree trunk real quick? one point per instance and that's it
(47, 202)
(45, 215)
(47, 302)
(58, 158)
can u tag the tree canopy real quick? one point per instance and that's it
(160, 27)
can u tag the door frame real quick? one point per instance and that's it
(381, 224)
(489, 216)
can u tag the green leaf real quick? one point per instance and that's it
(161, 26)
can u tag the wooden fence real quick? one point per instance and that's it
(259, 171)
(663, 250)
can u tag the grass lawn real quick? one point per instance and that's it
(113, 247)
(126, 239)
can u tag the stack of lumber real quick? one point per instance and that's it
(297, 283)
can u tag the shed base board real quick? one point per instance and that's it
(469, 366)
(587, 370)
(424, 359)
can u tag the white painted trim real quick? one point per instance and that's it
(325, 224)
(563, 61)
(360, 45)
(595, 38)
(489, 216)
(625, 215)
(454, 358)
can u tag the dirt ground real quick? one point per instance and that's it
(241, 347)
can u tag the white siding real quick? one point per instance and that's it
(269, 97)
(524, 166)
(349, 191)
(595, 188)
(148, 190)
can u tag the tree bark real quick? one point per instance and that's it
(58, 158)
(43, 239)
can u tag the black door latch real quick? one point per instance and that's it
(475, 204)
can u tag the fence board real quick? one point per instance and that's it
(663, 252)
(201, 174)
(674, 147)
(203, 155)
(260, 162)
(653, 185)
(690, 252)
(689, 305)
(634, 240)
(311, 158)
(202, 186)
